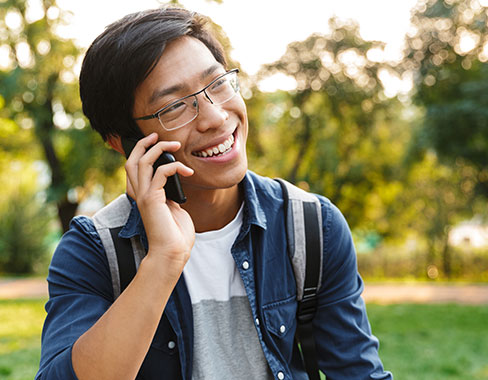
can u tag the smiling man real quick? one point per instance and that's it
(214, 295)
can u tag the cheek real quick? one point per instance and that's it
(181, 136)
(241, 105)
(240, 110)
(148, 128)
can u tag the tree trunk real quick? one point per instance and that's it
(66, 212)
(304, 143)
(45, 132)
(446, 256)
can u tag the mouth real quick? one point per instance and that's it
(220, 149)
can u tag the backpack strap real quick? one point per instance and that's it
(305, 246)
(123, 255)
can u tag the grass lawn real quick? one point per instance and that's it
(20, 338)
(432, 342)
(421, 342)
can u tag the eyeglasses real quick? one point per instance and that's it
(179, 113)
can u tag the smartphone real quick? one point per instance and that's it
(173, 188)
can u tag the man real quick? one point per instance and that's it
(215, 295)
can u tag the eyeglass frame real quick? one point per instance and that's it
(158, 112)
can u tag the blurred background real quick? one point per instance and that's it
(382, 106)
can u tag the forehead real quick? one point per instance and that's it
(183, 62)
(185, 53)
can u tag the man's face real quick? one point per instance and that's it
(185, 67)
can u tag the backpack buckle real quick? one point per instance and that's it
(307, 305)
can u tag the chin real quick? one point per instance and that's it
(214, 181)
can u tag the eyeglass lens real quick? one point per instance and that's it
(183, 111)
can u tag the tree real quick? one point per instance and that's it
(24, 219)
(39, 86)
(337, 133)
(448, 52)
(436, 197)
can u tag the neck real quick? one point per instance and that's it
(212, 209)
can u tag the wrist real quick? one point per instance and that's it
(167, 267)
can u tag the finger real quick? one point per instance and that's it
(131, 166)
(130, 188)
(145, 168)
(164, 171)
(155, 151)
(141, 147)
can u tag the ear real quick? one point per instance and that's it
(116, 143)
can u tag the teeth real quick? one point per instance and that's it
(220, 149)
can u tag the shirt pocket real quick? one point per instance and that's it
(165, 339)
(280, 321)
(162, 357)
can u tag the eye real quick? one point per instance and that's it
(218, 84)
(173, 112)
(174, 108)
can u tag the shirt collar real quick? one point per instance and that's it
(134, 225)
(254, 213)
(252, 207)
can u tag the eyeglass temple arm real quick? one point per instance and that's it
(148, 117)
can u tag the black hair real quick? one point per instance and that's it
(119, 60)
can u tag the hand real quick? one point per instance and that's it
(169, 228)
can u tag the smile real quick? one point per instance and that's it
(217, 150)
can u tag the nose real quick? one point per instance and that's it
(210, 115)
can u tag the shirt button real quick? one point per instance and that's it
(245, 265)
(171, 344)
(282, 329)
(257, 321)
(281, 375)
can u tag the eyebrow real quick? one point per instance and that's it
(162, 92)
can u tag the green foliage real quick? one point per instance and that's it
(448, 56)
(24, 226)
(25, 220)
(436, 197)
(40, 92)
(412, 260)
(337, 133)
(400, 172)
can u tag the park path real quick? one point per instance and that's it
(426, 293)
(11, 288)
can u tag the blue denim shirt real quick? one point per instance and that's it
(80, 290)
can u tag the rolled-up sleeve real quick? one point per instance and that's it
(345, 344)
(80, 292)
